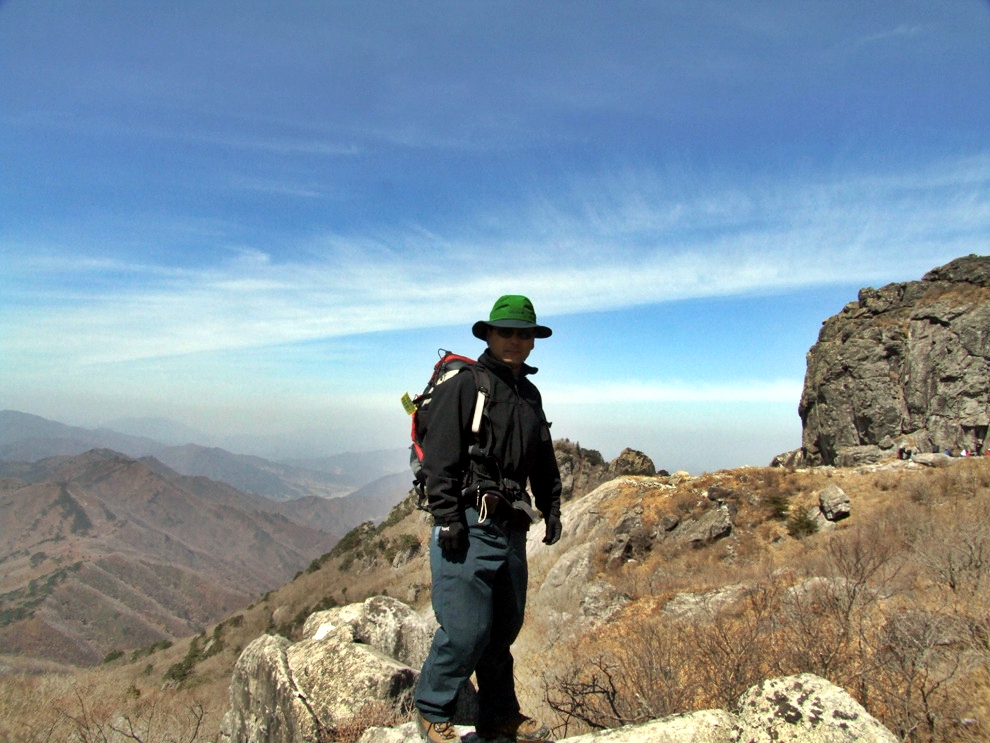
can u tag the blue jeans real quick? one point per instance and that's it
(479, 599)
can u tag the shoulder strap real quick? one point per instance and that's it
(482, 381)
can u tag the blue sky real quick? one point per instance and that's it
(261, 219)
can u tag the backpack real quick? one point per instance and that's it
(449, 366)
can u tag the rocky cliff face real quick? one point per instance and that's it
(582, 470)
(904, 368)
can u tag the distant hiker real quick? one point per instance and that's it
(475, 486)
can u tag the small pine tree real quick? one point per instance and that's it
(801, 525)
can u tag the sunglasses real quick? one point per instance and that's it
(523, 334)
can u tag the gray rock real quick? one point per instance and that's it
(336, 676)
(854, 456)
(712, 525)
(908, 363)
(805, 709)
(403, 734)
(384, 623)
(631, 462)
(285, 693)
(265, 703)
(932, 459)
(573, 567)
(669, 523)
(600, 601)
(581, 470)
(834, 503)
(704, 726)
(408, 733)
(702, 606)
(628, 524)
(817, 589)
(582, 517)
(794, 458)
(570, 573)
(822, 523)
(282, 692)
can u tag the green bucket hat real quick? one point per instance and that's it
(511, 311)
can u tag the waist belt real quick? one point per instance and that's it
(517, 514)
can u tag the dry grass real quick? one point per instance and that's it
(88, 706)
(891, 605)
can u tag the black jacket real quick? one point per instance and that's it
(520, 444)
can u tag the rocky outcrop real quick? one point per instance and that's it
(583, 470)
(384, 623)
(369, 653)
(834, 503)
(709, 527)
(794, 709)
(905, 368)
(630, 462)
(266, 706)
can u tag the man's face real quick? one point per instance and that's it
(513, 350)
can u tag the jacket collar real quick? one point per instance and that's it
(503, 370)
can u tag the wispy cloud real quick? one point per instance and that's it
(279, 187)
(628, 245)
(902, 31)
(234, 134)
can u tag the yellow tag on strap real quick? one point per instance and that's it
(407, 404)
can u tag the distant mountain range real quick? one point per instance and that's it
(28, 438)
(100, 550)
(112, 541)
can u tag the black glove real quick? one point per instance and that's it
(452, 538)
(554, 529)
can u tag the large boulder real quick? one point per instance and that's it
(384, 623)
(805, 709)
(907, 365)
(712, 525)
(265, 705)
(284, 692)
(834, 503)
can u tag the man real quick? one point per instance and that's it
(475, 486)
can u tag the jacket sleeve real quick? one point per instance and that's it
(545, 476)
(445, 447)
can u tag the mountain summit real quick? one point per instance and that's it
(904, 368)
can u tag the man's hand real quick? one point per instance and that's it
(554, 529)
(452, 538)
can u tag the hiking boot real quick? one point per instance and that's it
(437, 732)
(519, 728)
